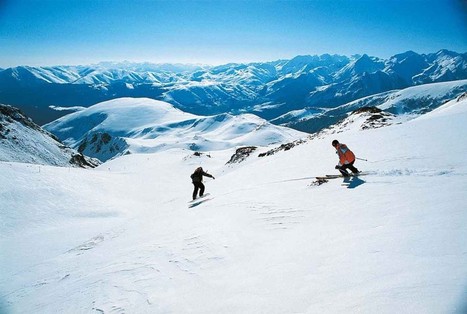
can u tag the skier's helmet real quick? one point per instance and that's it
(335, 142)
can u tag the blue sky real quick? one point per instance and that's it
(58, 32)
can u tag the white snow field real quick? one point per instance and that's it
(143, 125)
(121, 238)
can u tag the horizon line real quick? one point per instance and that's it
(215, 64)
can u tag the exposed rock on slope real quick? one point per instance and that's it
(21, 140)
(361, 119)
(241, 154)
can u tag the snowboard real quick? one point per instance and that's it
(198, 201)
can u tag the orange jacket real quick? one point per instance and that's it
(345, 154)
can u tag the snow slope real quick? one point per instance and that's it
(406, 103)
(21, 140)
(135, 125)
(120, 238)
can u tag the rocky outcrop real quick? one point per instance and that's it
(282, 147)
(21, 140)
(241, 154)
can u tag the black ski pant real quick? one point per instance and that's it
(198, 186)
(343, 169)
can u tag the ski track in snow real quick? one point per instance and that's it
(276, 218)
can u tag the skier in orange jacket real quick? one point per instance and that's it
(346, 158)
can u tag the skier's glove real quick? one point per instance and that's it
(337, 167)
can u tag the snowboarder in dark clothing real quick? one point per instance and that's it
(197, 179)
(346, 158)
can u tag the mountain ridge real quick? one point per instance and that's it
(21, 140)
(132, 125)
(409, 102)
(267, 89)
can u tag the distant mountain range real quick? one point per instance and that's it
(268, 89)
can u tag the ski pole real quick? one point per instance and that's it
(361, 159)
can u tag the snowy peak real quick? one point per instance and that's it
(308, 63)
(99, 130)
(268, 89)
(21, 140)
(26, 74)
(446, 54)
(407, 65)
(447, 66)
(109, 76)
(363, 65)
(141, 125)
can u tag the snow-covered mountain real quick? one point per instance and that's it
(136, 125)
(268, 89)
(121, 238)
(21, 140)
(405, 103)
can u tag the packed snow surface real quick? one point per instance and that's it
(121, 238)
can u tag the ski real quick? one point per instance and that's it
(323, 179)
(335, 176)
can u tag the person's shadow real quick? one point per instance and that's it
(352, 182)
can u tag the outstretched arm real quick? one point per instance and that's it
(208, 175)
